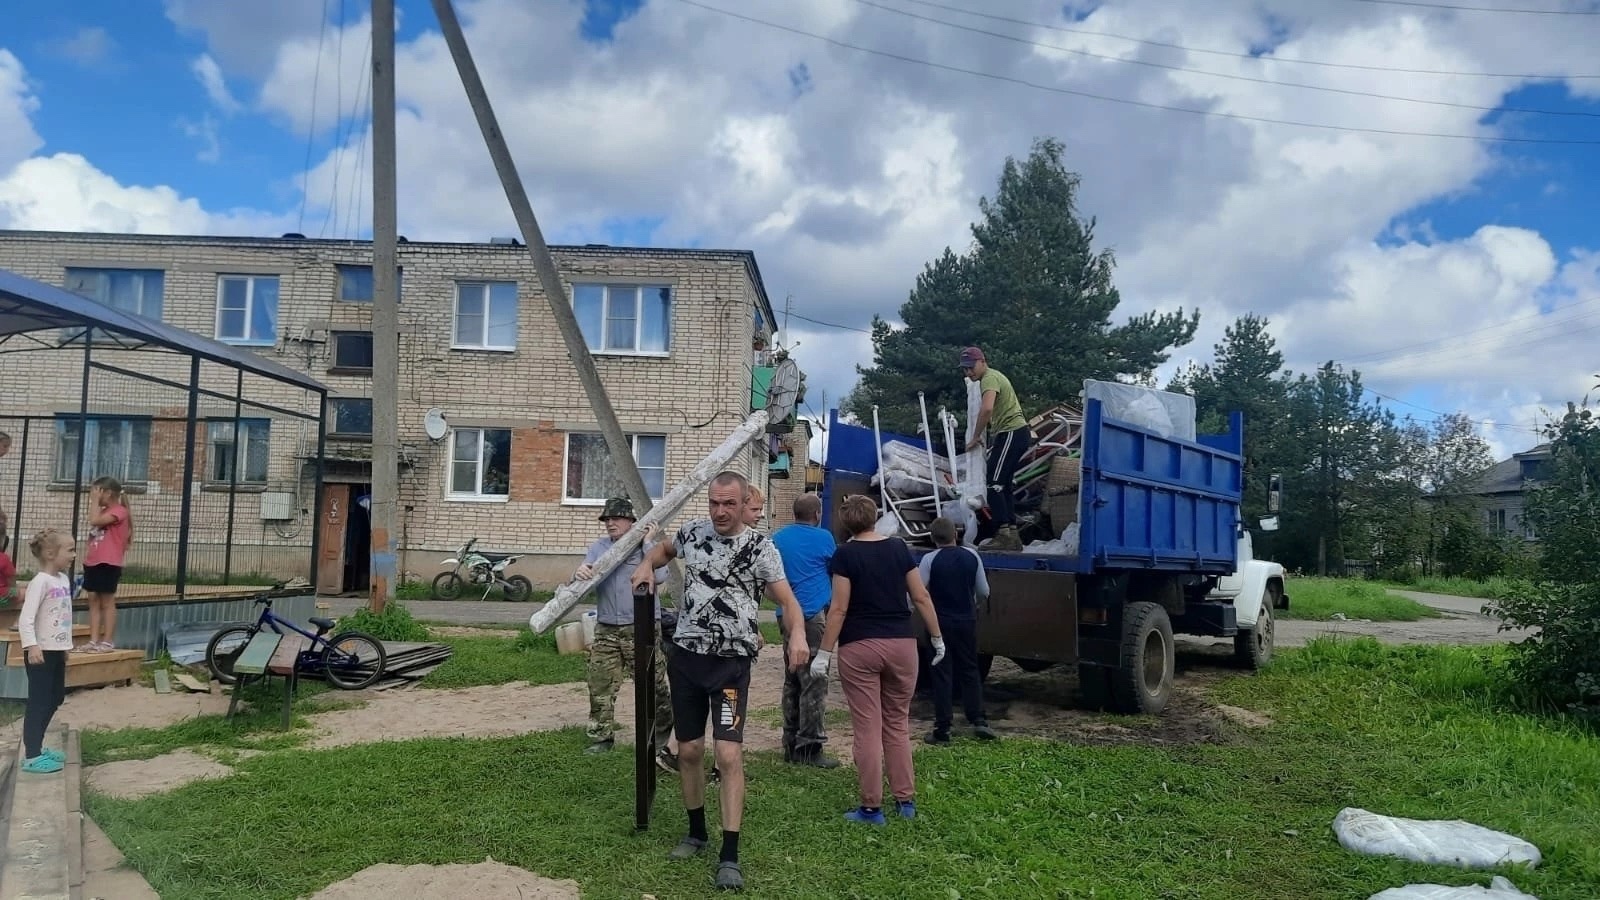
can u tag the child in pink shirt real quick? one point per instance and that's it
(111, 530)
(46, 631)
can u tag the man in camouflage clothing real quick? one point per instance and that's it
(611, 654)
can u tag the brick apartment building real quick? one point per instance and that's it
(679, 337)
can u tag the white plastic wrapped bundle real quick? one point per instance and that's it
(1166, 413)
(1448, 843)
(1500, 888)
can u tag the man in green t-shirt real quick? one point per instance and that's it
(1000, 416)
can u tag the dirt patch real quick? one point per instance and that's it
(1246, 717)
(500, 710)
(135, 778)
(485, 879)
(464, 631)
(133, 706)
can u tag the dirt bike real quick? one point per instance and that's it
(470, 567)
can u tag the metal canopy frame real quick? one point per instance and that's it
(42, 316)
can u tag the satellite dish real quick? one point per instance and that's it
(434, 425)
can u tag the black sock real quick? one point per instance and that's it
(730, 846)
(697, 823)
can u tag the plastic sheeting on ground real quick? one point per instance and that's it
(1450, 843)
(1499, 889)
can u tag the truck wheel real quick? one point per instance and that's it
(1142, 681)
(1031, 665)
(1252, 647)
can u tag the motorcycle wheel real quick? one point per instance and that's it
(518, 588)
(448, 586)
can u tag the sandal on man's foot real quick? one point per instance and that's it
(688, 848)
(730, 877)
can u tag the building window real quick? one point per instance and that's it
(355, 284)
(247, 309)
(229, 455)
(486, 315)
(350, 417)
(1495, 522)
(352, 352)
(136, 291)
(591, 476)
(480, 463)
(111, 446)
(624, 318)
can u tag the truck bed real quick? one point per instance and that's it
(1146, 502)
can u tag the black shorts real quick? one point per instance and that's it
(708, 685)
(101, 579)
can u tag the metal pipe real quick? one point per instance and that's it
(185, 512)
(83, 442)
(22, 484)
(233, 487)
(317, 487)
(933, 467)
(877, 444)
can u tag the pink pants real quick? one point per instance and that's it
(879, 676)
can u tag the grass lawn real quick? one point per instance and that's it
(498, 660)
(1410, 731)
(1320, 598)
(1490, 589)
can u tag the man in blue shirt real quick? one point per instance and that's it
(956, 581)
(806, 548)
(611, 654)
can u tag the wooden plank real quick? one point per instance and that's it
(257, 654)
(94, 669)
(163, 682)
(287, 653)
(190, 683)
(13, 641)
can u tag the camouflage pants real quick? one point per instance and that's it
(610, 662)
(805, 699)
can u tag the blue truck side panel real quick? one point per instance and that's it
(1147, 502)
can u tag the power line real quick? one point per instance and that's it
(1486, 9)
(1486, 422)
(1383, 354)
(1526, 76)
(1227, 75)
(311, 129)
(829, 324)
(1545, 331)
(1128, 102)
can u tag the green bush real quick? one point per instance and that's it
(393, 624)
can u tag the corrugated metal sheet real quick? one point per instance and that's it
(144, 626)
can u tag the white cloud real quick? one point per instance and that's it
(17, 104)
(90, 45)
(210, 74)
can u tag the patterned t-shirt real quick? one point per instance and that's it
(723, 579)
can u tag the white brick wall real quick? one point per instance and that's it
(694, 395)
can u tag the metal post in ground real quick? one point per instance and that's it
(83, 440)
(241, 453)
(644, 705)
(186, 511)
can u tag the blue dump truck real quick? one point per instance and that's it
(1161, 549)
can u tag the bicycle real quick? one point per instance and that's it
(351, 660)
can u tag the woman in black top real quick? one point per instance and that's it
(869, 623)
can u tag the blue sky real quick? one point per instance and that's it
(740, 135)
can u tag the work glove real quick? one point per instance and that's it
(819, 664)
(938, 649)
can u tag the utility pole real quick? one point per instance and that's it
(385, 312)
(544, 265)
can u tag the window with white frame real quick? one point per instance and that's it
(480, 463)
(486, 315)
(243, 451)
(247, 309)
(624, 318)
(592, 475)
(119, 447)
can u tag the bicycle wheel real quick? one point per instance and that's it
(353, 660)
(224, 649)
(448, 586)
(518, 588)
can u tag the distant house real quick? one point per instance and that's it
(1501, 492)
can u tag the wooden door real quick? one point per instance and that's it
(332, 518)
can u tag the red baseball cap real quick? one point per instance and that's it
(971, 357)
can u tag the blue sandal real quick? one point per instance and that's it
(42, 765)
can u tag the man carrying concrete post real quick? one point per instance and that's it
(727, 567)
(1001, 417)
(806, 548)
(611, 654)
